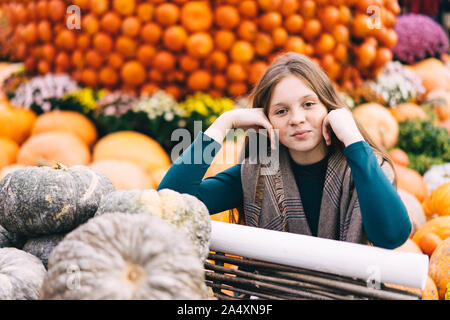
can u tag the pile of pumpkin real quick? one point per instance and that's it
(221, 47)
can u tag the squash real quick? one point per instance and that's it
(378, 122)
(411, 181)
(433, 73)
(21, 275)
(125, 175)
(399, 157)
(125, 257)
(43, 200)
(436, 176)
(439, 101)
(405, 111)
(438, 202)
(429, 242)
(132, 146)
(439, 269)
(8, 169)
(414, 208)
(69, 121)
(41, 247)
(8, 151)
(16, 124)
(439, 226)
(183, 210)
(409, 246)
(158, 176)
(11, 239)
(57, 146)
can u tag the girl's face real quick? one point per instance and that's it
(298, 114)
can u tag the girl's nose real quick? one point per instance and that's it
(297, 116)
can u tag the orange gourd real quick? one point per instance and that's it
(439, 267)
(438, 202)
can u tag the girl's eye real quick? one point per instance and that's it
(309, 104)
(281, 111)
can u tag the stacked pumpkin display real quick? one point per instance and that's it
(221, 47)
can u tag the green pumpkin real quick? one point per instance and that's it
(41, 247)
(184, 211)
(47, 200)
(121, 256)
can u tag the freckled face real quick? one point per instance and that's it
(298, 114)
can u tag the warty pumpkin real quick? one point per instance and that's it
(21, 275)
(132, 146)
(124, 175)
(182, 210)
(58, 146)
(439, 269)
(69, 121)
(48, 200)
(438, 202)
(125, 257)
(436, 176)
(379, 123)
(8, 151)
(41, 247)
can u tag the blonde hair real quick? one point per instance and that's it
(314, 77)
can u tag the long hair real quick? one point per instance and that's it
(312, 76)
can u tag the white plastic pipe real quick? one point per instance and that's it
(375, 265)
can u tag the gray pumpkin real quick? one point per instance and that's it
(21, 275)
(44, 200)
(41, 247)
(184, 211)
(11, 239)
(124, 257)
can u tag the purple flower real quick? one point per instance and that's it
(419, 37)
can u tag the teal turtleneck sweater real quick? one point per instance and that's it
(385, 218)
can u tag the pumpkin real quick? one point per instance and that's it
(399, 157)
(132, 146)
(8, 169)
(439, 269)
(124, 175)
(439, 100)
(436, 176)
(8, 151)
(433, 73)
(158, 176)
(54, 146)
(429, 242)
(430, 291)
(414, 208)
(439, 226)
(41, 247)
(48, 200)
(409, 246)
(125, 257)
(65, 120)
(411, 181)
(228, 156)
(378, 122)
(21, 275)
(183, 210)
(11, 239)
(405, 111)
(438, 203)
(16, 124)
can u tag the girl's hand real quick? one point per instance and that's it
(342, 123)
(245, 118)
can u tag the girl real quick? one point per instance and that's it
(332, 180)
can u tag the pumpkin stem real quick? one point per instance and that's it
(59, 166)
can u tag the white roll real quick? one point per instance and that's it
(372, 264)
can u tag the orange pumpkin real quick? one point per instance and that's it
(16, 124)
(433, 73)
(439, 269)
(70, 121)
(399, 157)
(132, 146)
(378, 122)
(409, 246)
(439, 226)
(438, 202)
(124, 175)
(405, 111)
(60, 146)
(8, 151)
(429, 242)
(411, 181)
